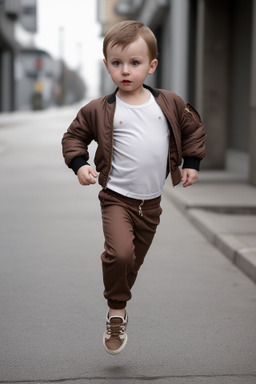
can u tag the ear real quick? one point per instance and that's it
(106, 64)
(152, 66)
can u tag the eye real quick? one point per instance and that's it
(135, 63)
(116, 63)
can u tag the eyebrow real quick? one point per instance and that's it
(131, 58)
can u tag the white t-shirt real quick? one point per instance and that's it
(140, 150)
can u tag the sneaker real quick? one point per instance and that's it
(115, 336)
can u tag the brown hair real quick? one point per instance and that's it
(128, 31)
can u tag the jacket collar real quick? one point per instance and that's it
(112, 98)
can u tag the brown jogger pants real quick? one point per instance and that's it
(129, 226)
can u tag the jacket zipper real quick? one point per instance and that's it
(111, 153)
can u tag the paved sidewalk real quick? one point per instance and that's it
(223, 207)
(192, 315)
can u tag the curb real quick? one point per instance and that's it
(242, 256)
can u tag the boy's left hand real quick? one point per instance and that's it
(189, 176)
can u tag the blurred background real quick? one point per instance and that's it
(51, 55)
(193, 315)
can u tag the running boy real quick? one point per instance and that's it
(142, 134)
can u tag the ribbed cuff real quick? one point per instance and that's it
(77, 163)
(191, 162)
(116, 304)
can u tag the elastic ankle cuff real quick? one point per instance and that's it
(116, 304)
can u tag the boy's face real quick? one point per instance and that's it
(129, 66)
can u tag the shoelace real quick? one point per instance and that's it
(115, 329)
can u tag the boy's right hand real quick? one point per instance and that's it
(85, 175)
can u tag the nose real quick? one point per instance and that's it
(125, 69)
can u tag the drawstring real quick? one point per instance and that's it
(140, 209)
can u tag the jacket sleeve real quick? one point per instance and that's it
(192, 138)
(76, 140)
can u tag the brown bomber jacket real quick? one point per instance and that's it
(94, 121)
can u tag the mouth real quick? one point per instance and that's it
(126, 82)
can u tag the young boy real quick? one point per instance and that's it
(142, 135)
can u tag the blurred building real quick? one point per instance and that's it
(29, 77)
(207, 54)
(36, 75)
(18, 23)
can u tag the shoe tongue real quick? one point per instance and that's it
(115, 320)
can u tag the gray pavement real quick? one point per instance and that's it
(223, 207)
(193, 313)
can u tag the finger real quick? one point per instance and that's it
(186, 184)
(93, 173)
(92, 181)
(189, 181)
(184, 175)
(87, 180)
(83, 182)
(186, 180)
(91, 177)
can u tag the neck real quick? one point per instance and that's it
(134, 98)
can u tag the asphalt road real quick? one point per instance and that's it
(192, 316)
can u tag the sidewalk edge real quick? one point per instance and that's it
(241, 256)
